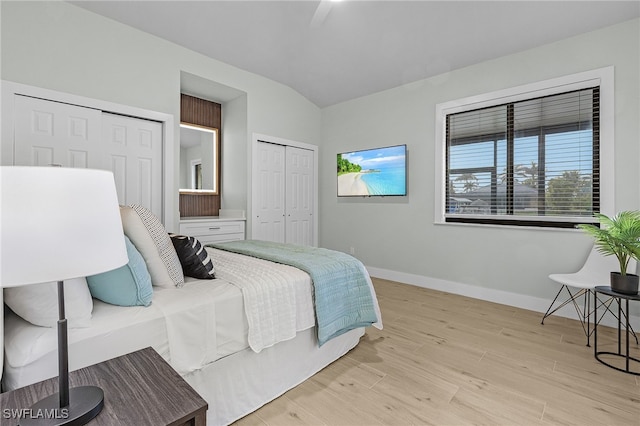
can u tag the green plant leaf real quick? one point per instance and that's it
(617, 236)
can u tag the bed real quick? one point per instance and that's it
(203, 329)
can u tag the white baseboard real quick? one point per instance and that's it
(523, 301)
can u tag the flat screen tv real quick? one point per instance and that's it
(373, 172)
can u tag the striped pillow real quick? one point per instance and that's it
(194, 258)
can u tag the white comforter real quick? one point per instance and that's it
(278, 299)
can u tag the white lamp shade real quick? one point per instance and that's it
(58, 223)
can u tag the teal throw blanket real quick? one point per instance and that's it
(343, 299)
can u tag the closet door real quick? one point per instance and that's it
(133, 152)
(269, 193)
(48, 133)
(299, 196)
(283, 194)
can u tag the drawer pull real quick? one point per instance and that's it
(214, 228)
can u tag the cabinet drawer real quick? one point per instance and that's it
(213, 229)
(220, 238)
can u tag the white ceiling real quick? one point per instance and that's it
(335, 51)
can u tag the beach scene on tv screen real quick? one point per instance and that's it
(380, 171)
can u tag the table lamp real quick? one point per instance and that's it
(57, 224)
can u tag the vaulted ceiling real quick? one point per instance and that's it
(335, 51)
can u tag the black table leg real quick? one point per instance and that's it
(627, 322)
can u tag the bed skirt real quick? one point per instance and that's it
(241, 383)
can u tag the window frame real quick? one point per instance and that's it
(602, 77)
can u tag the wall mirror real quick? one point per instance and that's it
(198, 159)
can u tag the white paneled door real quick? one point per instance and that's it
(55, 134)
(269, 200)
(299, 196)
(134, 155)
(49, 133)
(284, 194)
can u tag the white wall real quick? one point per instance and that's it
(235, 151)
(58, 46)
(397, 238)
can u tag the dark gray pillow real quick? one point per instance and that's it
(193, 257)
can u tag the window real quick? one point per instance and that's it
(533, 159)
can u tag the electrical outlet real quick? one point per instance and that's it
(352, 250)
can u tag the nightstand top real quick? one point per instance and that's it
(139, 388)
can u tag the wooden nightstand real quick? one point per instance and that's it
(140, 388)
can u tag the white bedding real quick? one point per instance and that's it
(278, 301)
(190, 326)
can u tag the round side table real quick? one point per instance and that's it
(628, 359)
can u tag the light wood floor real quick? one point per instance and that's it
(450, 360)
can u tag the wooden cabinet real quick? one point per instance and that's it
(213, 229)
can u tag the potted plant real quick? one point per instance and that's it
(618, 236)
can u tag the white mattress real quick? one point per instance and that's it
(190, 327)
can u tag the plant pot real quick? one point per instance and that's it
(625, 284)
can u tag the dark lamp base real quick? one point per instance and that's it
(85, 402)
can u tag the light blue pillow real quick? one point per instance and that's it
(129, 285)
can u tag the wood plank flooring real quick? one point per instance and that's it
(444, 359)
